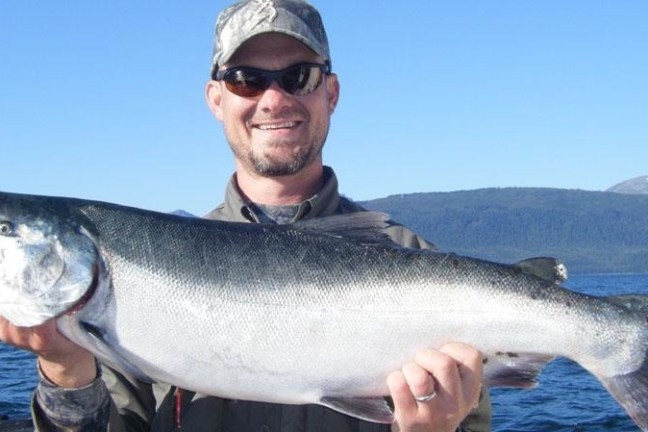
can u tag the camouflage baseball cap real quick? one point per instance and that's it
(245, 19)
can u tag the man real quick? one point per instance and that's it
(273, 89)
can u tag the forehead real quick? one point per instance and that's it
(272, 49)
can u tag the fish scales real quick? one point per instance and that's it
(302, 313)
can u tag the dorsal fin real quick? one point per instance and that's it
(547, 268)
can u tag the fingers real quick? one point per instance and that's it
(36, 339)
(44, 340)
(457, 368)
(470, 368)
(61, 361)
(453, 374)
(406, 385)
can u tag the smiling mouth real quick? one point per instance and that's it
(277, 126)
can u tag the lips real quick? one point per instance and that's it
(277, 125)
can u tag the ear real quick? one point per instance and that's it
(333, 91)
(214, 98)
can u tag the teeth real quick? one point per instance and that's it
(274, 126)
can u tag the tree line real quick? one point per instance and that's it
(589, 231)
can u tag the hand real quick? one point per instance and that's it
(454, 373)
(63, 362)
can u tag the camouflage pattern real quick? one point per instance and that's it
(245, 19)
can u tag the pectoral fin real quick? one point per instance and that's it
(509, 369)
(374, 409)
(110, 356)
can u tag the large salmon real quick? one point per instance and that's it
(316, 312)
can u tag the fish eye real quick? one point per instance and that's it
(6, 228)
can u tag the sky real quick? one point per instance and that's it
(105, 99)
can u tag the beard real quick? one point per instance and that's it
(280, 156)
(268, 166)
(291, 159)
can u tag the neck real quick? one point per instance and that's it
(284, 190)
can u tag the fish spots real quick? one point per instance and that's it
(539, 293)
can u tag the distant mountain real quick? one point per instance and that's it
(180, 212)
(638, 185)
(588, 231)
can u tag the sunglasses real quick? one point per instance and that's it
(298, 80)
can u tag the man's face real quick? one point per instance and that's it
(275, 133)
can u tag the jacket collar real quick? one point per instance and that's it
(236, 208)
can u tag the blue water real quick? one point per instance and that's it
(567, 399)
(17, 381)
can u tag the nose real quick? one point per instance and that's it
(275, 98)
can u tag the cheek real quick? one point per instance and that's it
(236, 125)
(235, 113)
(320, 114)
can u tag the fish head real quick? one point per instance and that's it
(47, 259)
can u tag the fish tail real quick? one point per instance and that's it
(631, 390)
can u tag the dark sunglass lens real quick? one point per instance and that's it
(245, 82)
(301, 79)
(298, 80)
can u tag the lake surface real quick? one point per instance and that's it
(567, 399)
